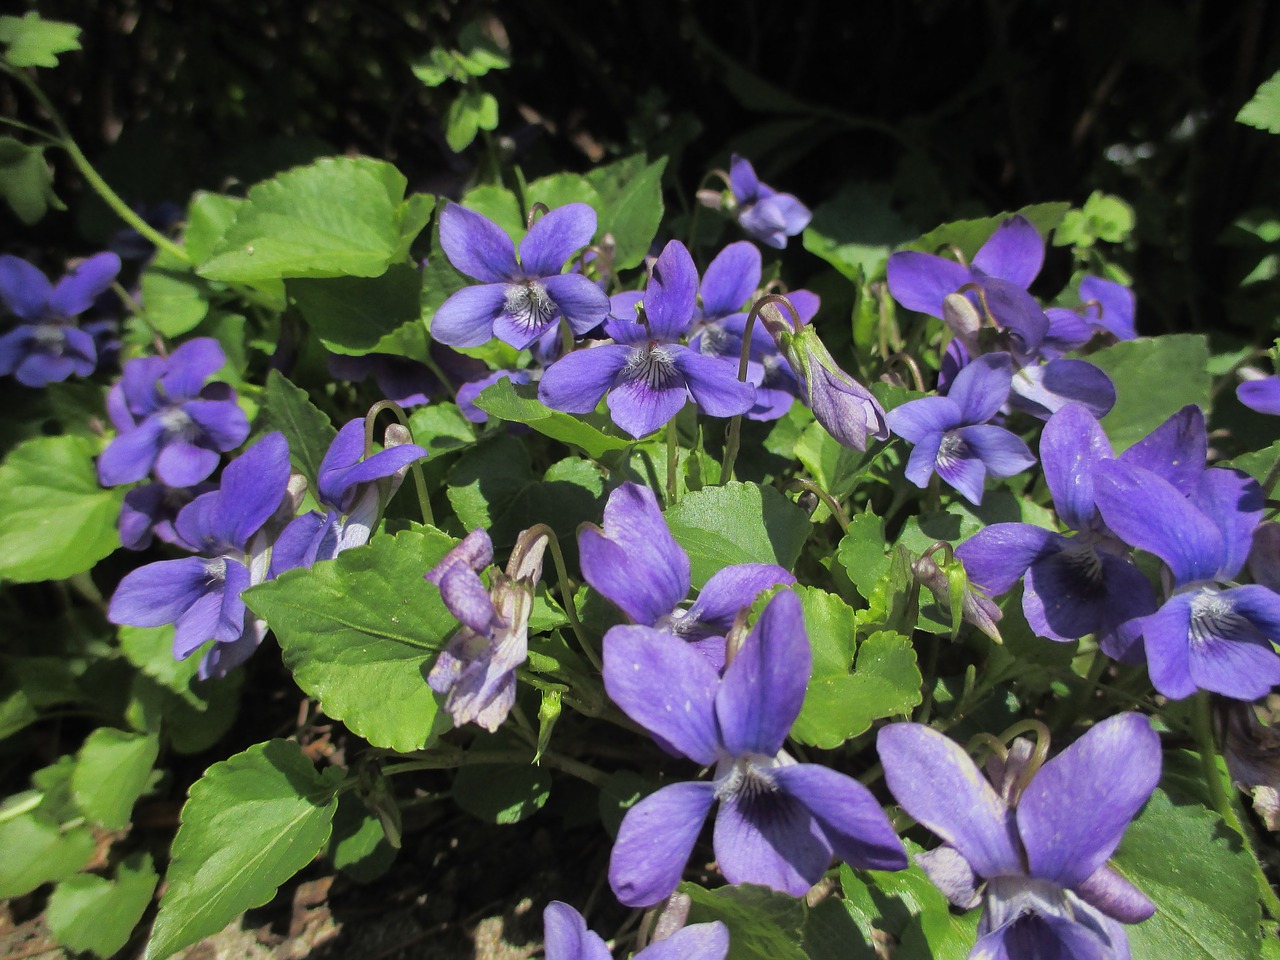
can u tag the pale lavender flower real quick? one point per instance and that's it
(1261, 395)
(517, 299)
(1035, 853)
(477, 669)
(763, 213)
(779, 821)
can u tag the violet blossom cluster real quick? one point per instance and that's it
(49, 344)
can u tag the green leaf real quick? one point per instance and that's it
(501, 793)
(440, 427)
(55, 519)
(111, 772)
(251, 823)
(856, 230)
(763, 924)
(1143, 401)
(905, 905)
(737, 523)
(497, 204)
(471, 111)
(1263, 111)
(830, 933)
(520, 404)
(91, 914)
(209, 216)
(356, 315)
(477, 54)
(358, 846)
(833, 466)
(970, 235)
(359, 634)
(1103, 217)
(289, 409)
(631, 197)
(830, 625)
(339, 216)
(621, 791)
(863, 552)
(26, 181)
(35, 42)
(1200, 878)
(1257, 464)
(563, 188)
(173, 298)
(494, 486)
(37, 850)
(885, 683)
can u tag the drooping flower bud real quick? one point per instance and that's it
(845, 408)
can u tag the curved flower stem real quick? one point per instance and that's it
(673, 454)
(733, 436)
(49, 139)
(697, 207)
(157, 338)
(91, 176)
(908, 361)
(420, 482)
(1224, 804)
(832, 503)
(566, 592)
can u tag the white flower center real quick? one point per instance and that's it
(744, 778)
(178, 424)
(529, 305)
(1212, 615)
(654, 364)
(952, 449)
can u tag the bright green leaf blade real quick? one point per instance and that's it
(462, 120)
(563, 188)
(1144, 401)
(834, 467)
(969, 235)
(360, 632)
(358, 846)
(632, 207)
(440, 428)
(856, 230)
(862, 553)
(829, 622)
(763, 924)
(1200, 878)
(111, 773)
(37, 850)
(26, 182)
(92, 914)
(521, 405)
(501, 793)
(353, 315)
(251, 823)
(209, 217)
(55, 520)
(737, 523)
(885, 683)
(1263, 111)
(307, 428)
(174, 299)
(336, 217)
(33, 41)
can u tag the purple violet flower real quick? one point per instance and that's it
(779, 821)
(476, 671)
(646, 372)
(354, 490)
(405, 382)
(47, 346)
(567, 938)
(636, 564)
(517, 300)
(169, 420)
(1108, 307)
(1086, 583)
(1261, 395)
(1208, 635)
(200, 596)
(763, 213)
(152, 510)
(1041, 844)
(951, 434)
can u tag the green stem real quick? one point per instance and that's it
(733, 436)
(1206, 746)
(453, 760)
(566, 593)
(832, 503)
(91, 176)
(673, 455)
(420, 482)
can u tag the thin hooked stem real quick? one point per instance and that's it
(832, 503)
(566, 592)
(673, 459)
(100, 186)
(733, 436)
(420, 482)
(697, 205)
(908, 361)
(453, 760)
